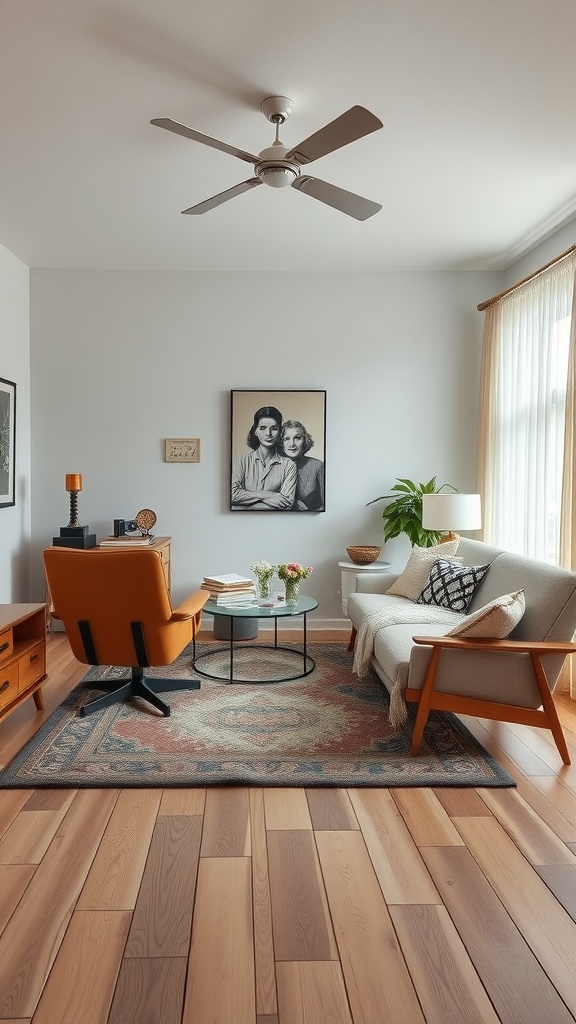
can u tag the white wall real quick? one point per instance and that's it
(15, 366)
(121, 360)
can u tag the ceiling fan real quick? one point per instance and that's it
(279, 166)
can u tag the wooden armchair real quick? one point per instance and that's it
(544, 715)
(116, 610)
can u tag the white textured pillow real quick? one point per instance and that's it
(494, 620)
(413, 579)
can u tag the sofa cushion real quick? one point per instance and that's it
(411, 581)
(393, 646)
(494, 620)
(452, 586)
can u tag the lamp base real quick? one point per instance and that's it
(86, 540)
(74, 531)
(449, 536)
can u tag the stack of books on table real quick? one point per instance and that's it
(230, 590)
(127, 541)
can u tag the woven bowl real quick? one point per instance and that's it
(363, 554)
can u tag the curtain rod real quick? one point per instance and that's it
(558, 259)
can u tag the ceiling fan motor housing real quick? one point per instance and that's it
(273, 170)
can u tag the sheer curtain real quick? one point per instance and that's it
(523, 403)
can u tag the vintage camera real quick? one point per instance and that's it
(124, 526)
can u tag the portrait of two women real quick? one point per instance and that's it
(278, 458)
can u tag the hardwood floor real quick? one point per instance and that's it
(236, 905)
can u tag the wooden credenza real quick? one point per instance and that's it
(22, 655)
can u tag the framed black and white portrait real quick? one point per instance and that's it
(7, 442)
(278, 451)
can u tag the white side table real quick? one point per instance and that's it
(348, 574)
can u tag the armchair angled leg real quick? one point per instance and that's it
(425, 701)
(550, 708)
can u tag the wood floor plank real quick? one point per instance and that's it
(163, 913)
(401, 872)
(300, 915)
(517, 985)
(286, 808)
(561, 880)
(536, 840)
(312, 993)
(149, 991)
(114, 878)
(460, 802)
(447, 984)
(427, 821)
(82, 980)
(266, 1001)
(220, 987)
(14, 878)
(30, 835)
(548, 930)
(13, 800)
(226, 830)
(375, 974)
(331, 809)
(563, 798)
(183, 801)
(49, 799)
(30, 941)
(548, 809)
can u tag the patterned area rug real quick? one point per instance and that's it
(326, 729)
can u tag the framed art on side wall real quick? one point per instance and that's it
(7, 442)
(278, 451)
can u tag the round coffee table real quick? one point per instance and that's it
(256, 611)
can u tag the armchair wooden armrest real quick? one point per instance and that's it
(486, 644)
(545, 717)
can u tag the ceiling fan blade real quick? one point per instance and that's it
(223, 197)
(206, 140)
(347, 202)
(352, 125)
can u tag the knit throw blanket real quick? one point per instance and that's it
(364, 647)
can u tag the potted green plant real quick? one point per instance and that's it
(403, 514)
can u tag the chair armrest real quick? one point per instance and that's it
(191, 606)
(486, 644)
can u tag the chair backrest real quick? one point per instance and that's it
(111, 590)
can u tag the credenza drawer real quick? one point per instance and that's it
(8, 684)
(6, 644)
(32, 666)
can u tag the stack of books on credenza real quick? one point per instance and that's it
(127, 541)
(230, 590)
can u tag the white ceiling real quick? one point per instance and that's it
(476, 161)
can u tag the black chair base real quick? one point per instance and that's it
(140, 686)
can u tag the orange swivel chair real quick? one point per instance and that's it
(116, 610)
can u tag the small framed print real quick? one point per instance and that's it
(182, 449)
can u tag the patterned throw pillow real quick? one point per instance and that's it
(494, 620)
(452, 586)
(410, 582)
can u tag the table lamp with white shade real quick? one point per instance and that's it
(449, 513)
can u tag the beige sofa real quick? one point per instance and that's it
(506, 679)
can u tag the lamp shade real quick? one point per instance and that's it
(447, 512)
